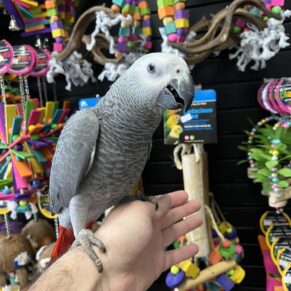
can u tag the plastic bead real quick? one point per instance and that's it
(225, 282)
(115, 8)
(181, 23)
(180, 6)
(173, 281)
(238, 275)
(165, 11)
(168, 20)
(174, 270)
(6, 190)
(170, 28)
(172, 37)
(277, 9)
(22, 203)
(237, 29)
(181, 14)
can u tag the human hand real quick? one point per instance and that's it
(136, 236)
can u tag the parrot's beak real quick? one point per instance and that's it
(178, 94)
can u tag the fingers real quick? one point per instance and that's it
(177, 213)
(180, 228)
(176, 256)
(167, 201)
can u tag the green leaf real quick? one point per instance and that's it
(264, 172)
(261, 178)
(286, 172)
(267, 187)
(283, 184)
(271, 164)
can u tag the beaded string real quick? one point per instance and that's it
(130, 35)
(175, 19)
(7, 226)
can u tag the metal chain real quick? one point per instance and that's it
(22, 94)
(39, 91)
(2, 88)
(26, 88)
(44, 89)
(7, 226)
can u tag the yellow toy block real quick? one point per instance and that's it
(189, 269)
(238, 275)
(147, 31)
(31, 3)
(182, 23)
(58, 33)
(42, 114)
(10, 113)
(49, 110)
(36, 166)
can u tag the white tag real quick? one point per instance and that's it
(186, 118)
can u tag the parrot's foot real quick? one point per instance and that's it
(150, 199)
(86, 239)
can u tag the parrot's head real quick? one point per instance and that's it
(160, 81)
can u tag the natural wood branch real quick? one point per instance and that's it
(209, 40)
(101, 43)
(79, 30)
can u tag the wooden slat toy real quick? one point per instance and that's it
(10, 113)
(16, 127)
(49, 110)
(22, 168)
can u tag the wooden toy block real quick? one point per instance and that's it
(50, 4)
(20, 181)
(142, 4)
(189, 269)
(10, 113)
(147, 31)
(170, 28)
(29, 106)
(277, 2)
(181, 14)
(119, 3)
(38, 156)
(2, 122)
(16, 127)
(36, 102)
(124, 31)
(66, 104)
(22, 168)
(56, 25)
(42, 111)
(162, 3)
(49, 109)
(34, 28)
(145, 11)
(31, 3)
(51, 12)
(137, 16)
(33, 118)
(58, 47)
(21, 139)
(58, 33)
(63, 116)
(182, 23)
(47, 153)
(21, 154)
(165, 11)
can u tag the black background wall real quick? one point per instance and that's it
(239, 199)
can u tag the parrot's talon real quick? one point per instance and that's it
(86, 239)
(150, 199)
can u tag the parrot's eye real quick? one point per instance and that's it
(151, 68)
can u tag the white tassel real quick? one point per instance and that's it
(76, 70)
(260, 46)
(103, 24)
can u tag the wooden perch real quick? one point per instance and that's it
(79, 30)
(219, 32)
(208, 274)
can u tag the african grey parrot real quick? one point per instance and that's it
(103, 150)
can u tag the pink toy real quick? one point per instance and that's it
(23, 60)
(284, 107)
(278, 2)
(42, 63)
(6, 56)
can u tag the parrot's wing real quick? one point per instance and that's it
(73, 157)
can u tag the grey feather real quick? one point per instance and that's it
(73, 157)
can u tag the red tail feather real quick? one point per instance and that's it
(64, 241)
